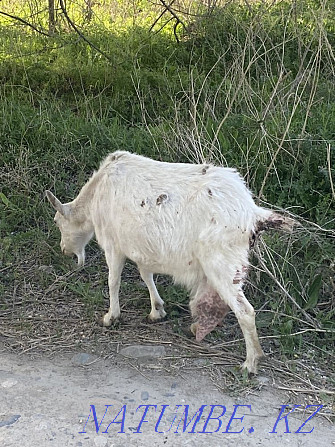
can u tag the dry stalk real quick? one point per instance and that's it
(272, 275)
(306, 391)
(330, 171)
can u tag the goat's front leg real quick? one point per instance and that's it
(115, 262)
(157, 304)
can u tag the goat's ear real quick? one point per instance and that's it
(56, 204)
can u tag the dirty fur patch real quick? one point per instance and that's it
(161, 199)
(210, 310)
(274, 222)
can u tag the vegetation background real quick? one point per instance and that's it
(248, 84)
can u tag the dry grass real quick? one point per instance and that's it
(258, 117)
(53, 321)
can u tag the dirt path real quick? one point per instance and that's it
(49, 402)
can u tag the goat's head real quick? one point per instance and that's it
(74, 228)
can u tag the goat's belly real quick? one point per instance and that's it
(186, 271)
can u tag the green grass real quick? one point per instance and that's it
(249, 88)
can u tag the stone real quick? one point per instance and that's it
(144, 395)
(10, 420)
(143, 351)
(45, 268)
(9, 383)
(200, 362)
(100, 442)
(83, 358)
(263, 380)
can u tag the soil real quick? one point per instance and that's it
(61, 374)
(50, 401)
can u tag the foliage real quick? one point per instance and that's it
(247, 86)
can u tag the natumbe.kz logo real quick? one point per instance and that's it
(182, 419)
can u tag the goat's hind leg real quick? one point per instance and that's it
(226, 279)
(246, 317)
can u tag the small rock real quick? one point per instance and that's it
(10, 420)
(83, 358)
(170, 417)
(144, 395)
(100, 442)
(42, 426)
(9, 383)
(140, 351)
(200, 362)
(45, 268)
(263, 380)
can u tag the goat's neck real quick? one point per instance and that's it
(82, 204)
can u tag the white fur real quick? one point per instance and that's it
(192, 222)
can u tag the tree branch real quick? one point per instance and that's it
(25, 23)
(80, 34)
(168, 7)
(171, 11)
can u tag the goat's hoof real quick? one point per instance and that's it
(162, 313)
(193, 328)
(107, 322)
(149, 319)
(157, 316)
(251, 363)
(250, 367)
(248, 373)
(186, 332)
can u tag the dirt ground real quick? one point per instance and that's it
(132, 399)
(65, 381)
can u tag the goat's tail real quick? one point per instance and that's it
(270, 220)
(275, 221)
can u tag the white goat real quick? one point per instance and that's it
(193, 222)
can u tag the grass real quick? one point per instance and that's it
(247, 87)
